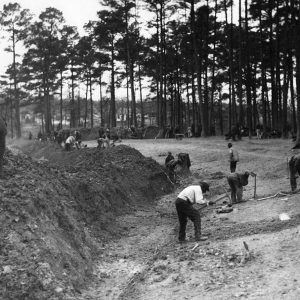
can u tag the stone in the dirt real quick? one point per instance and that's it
(7, 269)
(59, 289)
(284, 217)
(224, 209)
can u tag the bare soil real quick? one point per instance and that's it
(149, 263)
(136, 255)
(57, 209)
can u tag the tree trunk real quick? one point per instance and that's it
(230, 70)
(240, 91)
(72, 104)
(264, 91)
(278, 71)
(211, 112)
(78, 110)
(101, 102)
(86, 101)
(197, 66)
(220, 114)
(127, 101)
(91, 102)
(158, 91)
(248, 75)
(113, 122)
(291, 71)
(141, 97)
(16, 96)
(274, 103)
(61, 98)
(231, 73)
(297, 38)
(130, 65)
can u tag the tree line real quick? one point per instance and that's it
(200, 66)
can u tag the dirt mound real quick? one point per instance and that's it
(55, 216)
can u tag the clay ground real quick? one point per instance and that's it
(147, 262)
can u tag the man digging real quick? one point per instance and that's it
(184, 205)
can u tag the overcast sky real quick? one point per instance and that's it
(76, 13)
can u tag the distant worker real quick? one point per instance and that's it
(294, 166)
(184, 205)
(104, 141)
(233, 157)
(69, 142)
(171, 164)
(40, 136)
(169, 158)
(236, 182)
(30, 135)
(189, 132)
(258, 131)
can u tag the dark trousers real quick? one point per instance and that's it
(186, 210)
(233, 166)
(294, 166)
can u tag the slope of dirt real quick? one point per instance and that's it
(56, 216)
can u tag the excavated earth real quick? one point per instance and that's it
(57, 213)
(89, 224)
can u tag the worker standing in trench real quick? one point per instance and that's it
(184, 205)
(233, 157)
(294, 166)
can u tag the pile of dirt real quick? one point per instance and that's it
(55, 216)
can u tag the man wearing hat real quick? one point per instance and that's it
(184, 205)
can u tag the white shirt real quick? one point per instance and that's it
(70, 140)
(193, 193)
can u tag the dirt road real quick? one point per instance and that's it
(148, 263)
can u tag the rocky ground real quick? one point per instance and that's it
(57, 211)
(250, 254)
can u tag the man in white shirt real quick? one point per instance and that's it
(69, 142)
(184, 205)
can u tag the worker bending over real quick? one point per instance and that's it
(236, 182)
(184, 205)
(294, 166)
(69, 142)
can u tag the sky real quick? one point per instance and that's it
(76, 13)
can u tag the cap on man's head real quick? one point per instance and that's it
(229, 145)
(204, 186)
(169, 152)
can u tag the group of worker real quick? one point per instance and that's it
(194, 194)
